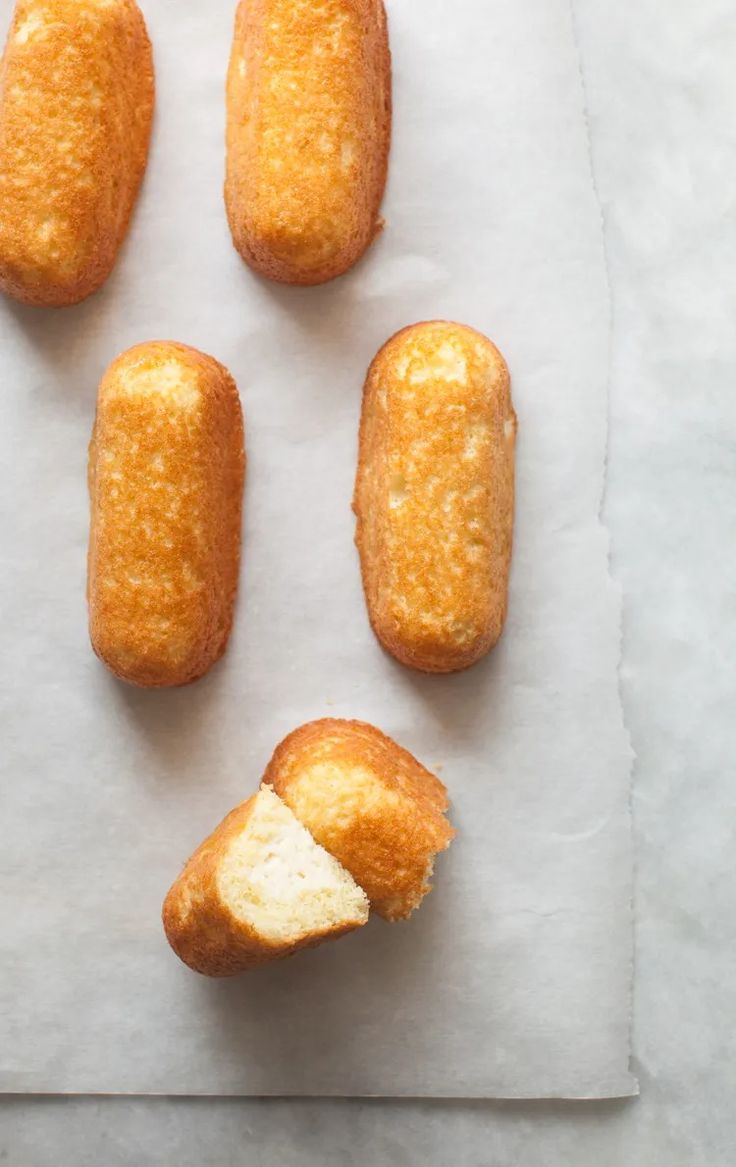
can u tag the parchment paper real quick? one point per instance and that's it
(514, 978)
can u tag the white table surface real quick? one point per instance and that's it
(659, 79)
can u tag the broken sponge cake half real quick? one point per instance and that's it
(370, 803)
(258, 889)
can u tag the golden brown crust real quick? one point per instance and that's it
(76, 103)
(434, 495)
(309, 126)
(166, 472)
(368, 802)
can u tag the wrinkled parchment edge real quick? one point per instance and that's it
(613, 582)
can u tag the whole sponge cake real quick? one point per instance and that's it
(256, 890)
(76, 103)
(308, 129)
(434, 495)
(369, 803)
(166, 470)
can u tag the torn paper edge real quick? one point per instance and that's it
(613, 583)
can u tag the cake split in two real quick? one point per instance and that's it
(345, 821)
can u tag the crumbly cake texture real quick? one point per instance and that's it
(308, 131)
(369, 803)
(434, 495)
(166, 472)
(257, 890)
(76, 103)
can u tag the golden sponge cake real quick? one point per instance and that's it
(369, 803)
(76, 101)
(166, 470)
(257, 890)
(308, 128)
(434, 495)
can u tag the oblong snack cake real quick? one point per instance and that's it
(258, 889)
(76, 105)
(308, 130)
(344, 816)
(166, 470)
(434, 495)
(369, 803)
